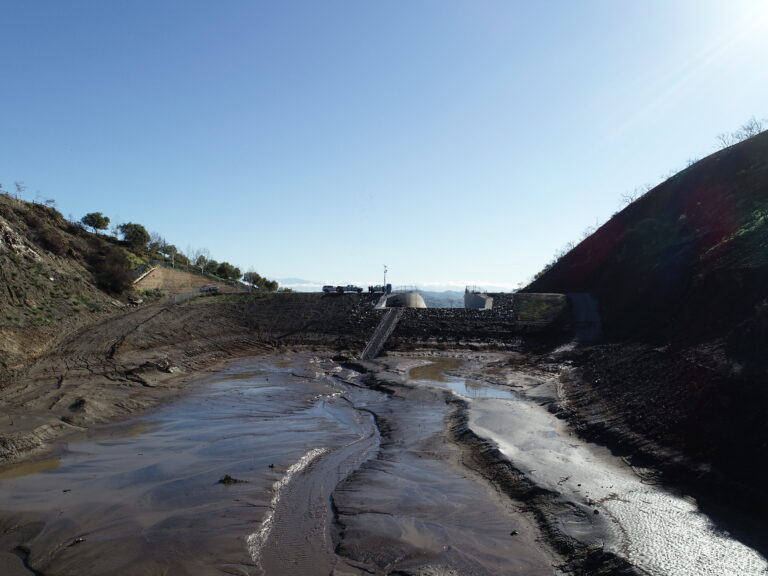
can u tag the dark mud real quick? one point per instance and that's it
(694, 442)
(545, 506)
(424, 466)
(145, 498)
(332, 477)
(415, 509)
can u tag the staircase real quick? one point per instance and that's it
(382, 333)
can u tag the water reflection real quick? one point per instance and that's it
(436, 373)
(26, 468)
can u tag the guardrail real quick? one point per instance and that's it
(144, 275)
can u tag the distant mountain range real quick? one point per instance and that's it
(300, 284)
(446, 299)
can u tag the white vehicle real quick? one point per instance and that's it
(329, 289)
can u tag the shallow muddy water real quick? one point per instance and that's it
(329, 476)
(314, 488)
(657, 530)
(145, 496)
(438, 373)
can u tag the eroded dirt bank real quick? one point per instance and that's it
(683, 413)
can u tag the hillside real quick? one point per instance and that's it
(688, 260)
(57, 277)
(54, 278)
(174, 281)
(75, 351)
(681, 276)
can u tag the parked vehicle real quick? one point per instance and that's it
(329, 289)
(348, 288)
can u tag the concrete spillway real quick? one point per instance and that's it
(382, 332)
(586, 318)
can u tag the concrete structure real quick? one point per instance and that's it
(406, 300)
(383, 331)
(474, 300)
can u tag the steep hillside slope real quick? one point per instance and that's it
(682, 280)
(54, 278)
(689, 260)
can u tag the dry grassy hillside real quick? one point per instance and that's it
(171, 281)
(54, 278)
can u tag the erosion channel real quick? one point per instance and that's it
(292, 464)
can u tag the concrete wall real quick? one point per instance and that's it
(406, 300)
(473, 325)
(477, 301)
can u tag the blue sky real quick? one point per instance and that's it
(456, 142)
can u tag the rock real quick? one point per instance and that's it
(228, 480)
(76, 541)
(78, 404)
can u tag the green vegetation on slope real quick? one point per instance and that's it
(56, 276)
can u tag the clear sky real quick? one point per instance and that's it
(455, 141)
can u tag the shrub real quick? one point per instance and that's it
(53, 241)
(110, 269)
(135, 235)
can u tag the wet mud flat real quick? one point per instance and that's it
(601, 514)
(293, 464)
(276, 465)
(416, 509)
(145, 497)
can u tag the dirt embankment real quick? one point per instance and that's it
(49, 280)
(681, 276)
(172, 281)
(673, 410)
(132, 361)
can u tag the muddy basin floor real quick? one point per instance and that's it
(291, 464)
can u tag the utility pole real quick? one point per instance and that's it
(385, 276)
